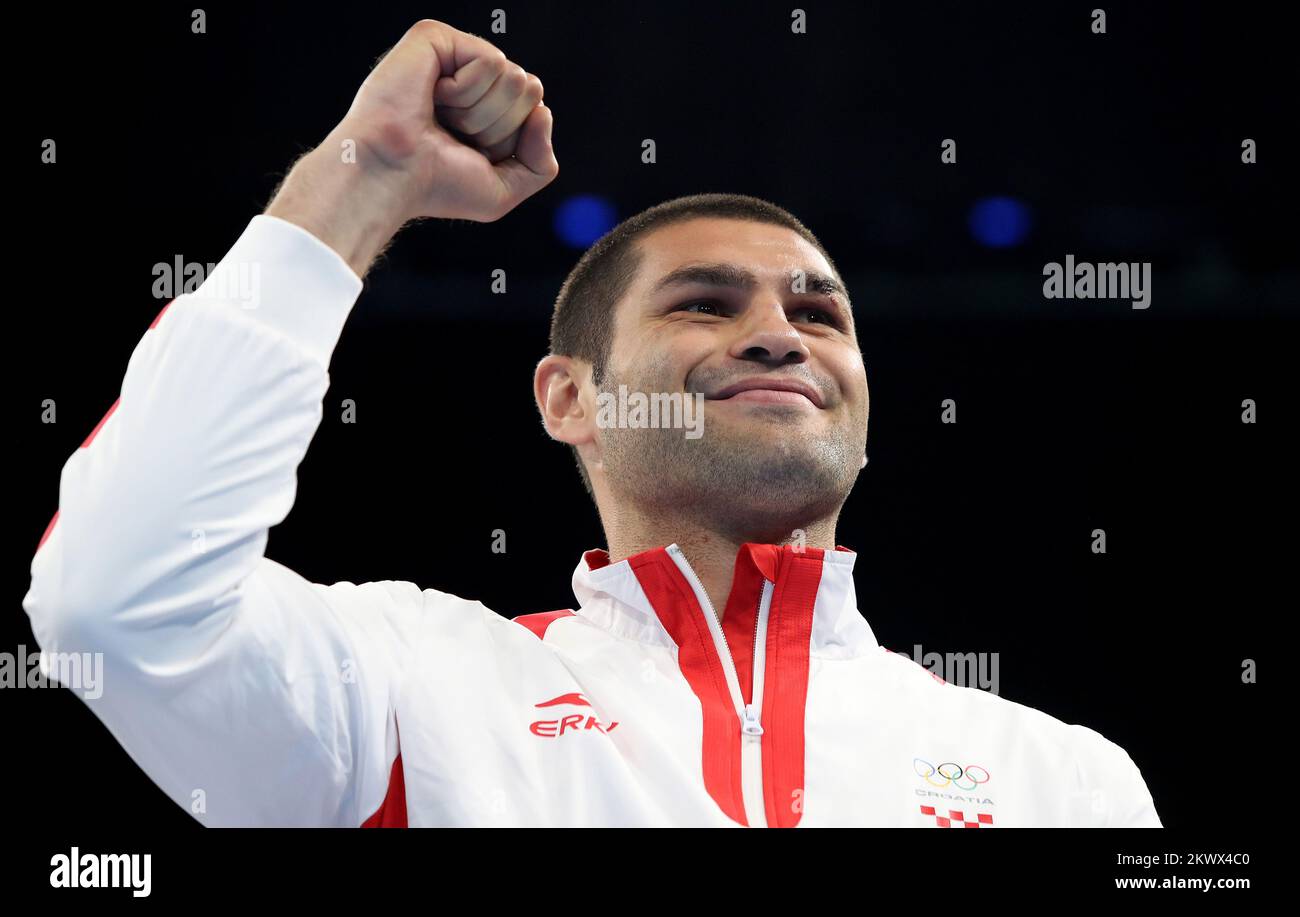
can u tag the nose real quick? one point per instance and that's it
(766, 336)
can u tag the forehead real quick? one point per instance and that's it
(768, 250)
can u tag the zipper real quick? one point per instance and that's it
(751, 727)
(751, 771)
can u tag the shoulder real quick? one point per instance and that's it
(1116, 794)
(416, 611)
(374, 595)
(406, 606)
(1105, 784)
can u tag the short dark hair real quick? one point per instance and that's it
(582, 325)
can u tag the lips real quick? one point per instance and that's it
(771, 389)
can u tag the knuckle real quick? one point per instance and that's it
(393, 134)
(428, 27)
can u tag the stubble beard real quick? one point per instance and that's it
(757, 479)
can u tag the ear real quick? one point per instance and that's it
(559, 384)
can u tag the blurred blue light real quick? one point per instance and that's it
(584, 218)
(999, 222)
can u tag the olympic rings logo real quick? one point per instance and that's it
(963, 778)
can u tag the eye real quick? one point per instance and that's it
(825, 315)
(701, 303)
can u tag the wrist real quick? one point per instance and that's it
(351, 207)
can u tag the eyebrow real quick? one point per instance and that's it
(730, 275)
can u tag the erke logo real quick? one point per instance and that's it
(550, 729)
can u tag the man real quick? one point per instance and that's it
(717, 671)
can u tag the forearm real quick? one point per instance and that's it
(351, 205)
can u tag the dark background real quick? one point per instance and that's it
(1072, 415)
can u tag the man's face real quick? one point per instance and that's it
(716, 309)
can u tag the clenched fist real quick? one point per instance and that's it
(444, 126)
(437, 80)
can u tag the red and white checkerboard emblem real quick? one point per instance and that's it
(958, 819)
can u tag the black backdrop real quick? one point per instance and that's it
(1072, 415)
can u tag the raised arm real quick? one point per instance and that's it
(250, 695)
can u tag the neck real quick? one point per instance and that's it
(710, 550)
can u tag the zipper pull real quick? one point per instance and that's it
(749, 724)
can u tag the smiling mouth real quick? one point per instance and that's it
(770, 396)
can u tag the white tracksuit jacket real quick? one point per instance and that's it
(254, 697)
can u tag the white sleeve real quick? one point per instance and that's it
(1117, 796)
(250, 695)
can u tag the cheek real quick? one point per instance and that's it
(851, 374)
(665, 359)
